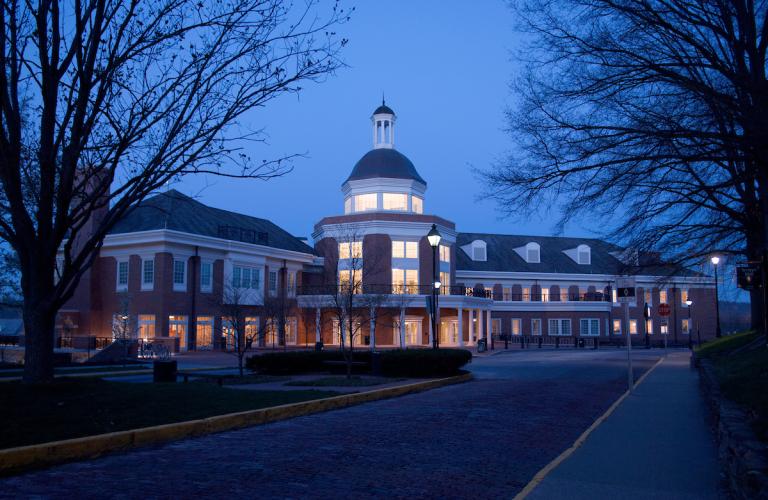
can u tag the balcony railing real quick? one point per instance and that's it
(517, 297)
(388, 289)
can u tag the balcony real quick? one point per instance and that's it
(389, 289)
(517, 297)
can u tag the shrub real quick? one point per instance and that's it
(394, 363)
(424, 362)
(295, 362)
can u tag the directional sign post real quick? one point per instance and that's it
(625, 288)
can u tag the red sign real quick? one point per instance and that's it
(664, 310)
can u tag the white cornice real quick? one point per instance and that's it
(169, 240)
(502, 276)
(392, 228)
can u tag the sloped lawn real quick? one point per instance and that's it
(743, 373)
(70, 408)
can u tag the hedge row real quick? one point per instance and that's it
(394, 363)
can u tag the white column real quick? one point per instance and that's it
(373, 330)
(488, 331)
(317, 324)
(471, 326)
(430, 331)
(402, 327)
(460, 327)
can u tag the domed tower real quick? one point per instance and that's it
(384, 179)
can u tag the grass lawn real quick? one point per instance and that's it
(70, 408)
(342, 382)
(17, 372)
(237, 380)
(743, 375)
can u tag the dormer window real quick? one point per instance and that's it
(533, 253)
(584, 255)
(479, 251)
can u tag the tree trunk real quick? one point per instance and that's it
(39, 335)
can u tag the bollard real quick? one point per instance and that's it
(541, 341)
(506, 341)
(557, 342)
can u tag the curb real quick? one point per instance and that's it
(545, 471)
(24, 458)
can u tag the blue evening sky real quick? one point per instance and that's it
(445, 69)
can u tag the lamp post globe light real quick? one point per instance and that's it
(715, 261)
(434, 237)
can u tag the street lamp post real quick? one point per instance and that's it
(718, 333)
(689, 303)
(434, 238)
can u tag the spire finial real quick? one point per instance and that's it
(382, 98)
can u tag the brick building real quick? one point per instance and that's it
(169, 267)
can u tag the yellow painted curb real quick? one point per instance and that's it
(13, 460)
(544, 472)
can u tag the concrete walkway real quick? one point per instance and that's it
(656, 444)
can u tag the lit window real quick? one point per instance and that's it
(506, 294)
(617, 327)
(405, 250)
(683, 296)
(351, 278)
(650, 326)
(122, 275)
(204, 332)
(535, 327)
(516, 326)
(292, 284)
(648, 296)
(526, 294)
(633, 327)
(686, 326)
(179, 273)
(365, 202)
(177, 327)
(445, 281)
(664, 329)
(545, 294)
(445, 253)
(147, 273)
(206, 270)
(662, 296)
(405, 281)
(352, 250)
(146, 326)
(614, 296)
(564, 295)
(417, 204)
(395, 201)
(348, 206)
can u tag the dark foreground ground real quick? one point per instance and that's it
(485, 438)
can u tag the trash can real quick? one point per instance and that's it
(482, 345)
(318, 346)
(164, 370)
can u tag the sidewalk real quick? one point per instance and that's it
(656, 444)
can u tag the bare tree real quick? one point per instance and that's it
(104, 101)
(352, 303)
(648, 117)
(239, 331)
(123, 324)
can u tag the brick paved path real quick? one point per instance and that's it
(485, 438)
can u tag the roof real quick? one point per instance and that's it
(384, 162)
(501, 256)
(178, 212)
(383, 109)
